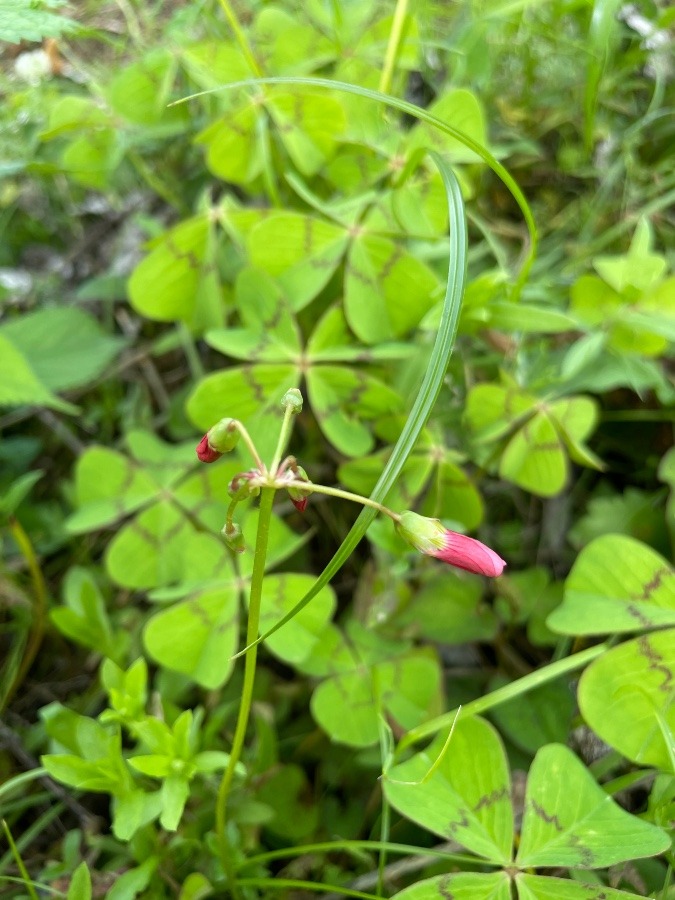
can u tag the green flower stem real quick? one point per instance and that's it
(393, 45)
(284, 435)
(240, 37)
(503, 694)
(312, 488)
(255, 595)
(252, 449)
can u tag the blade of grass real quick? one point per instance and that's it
(19, 862)
(417, 112)
(425, 400)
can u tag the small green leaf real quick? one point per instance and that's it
(627, 695)
(467, 798)
(80, 884)
(459, 886)
(544, 887)
(617, 584)
(175, 792)
(131, 883)
(20, 385)
(568, 817)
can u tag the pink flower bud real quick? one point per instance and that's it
(298, 495)
(205, 452)
(430, 537)
(220, 439)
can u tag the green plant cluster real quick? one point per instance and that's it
(451, 226)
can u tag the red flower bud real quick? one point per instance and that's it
(205, 451)
(430, 537)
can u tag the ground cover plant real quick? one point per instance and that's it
(404, 623)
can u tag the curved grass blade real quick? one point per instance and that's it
(424, 116)
(429, 391)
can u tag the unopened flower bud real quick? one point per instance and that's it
(292, 398)
(240, 488)
(431, 537)
(220, 439)
(299, 495)
(233, 537)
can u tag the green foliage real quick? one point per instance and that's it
(200, 212)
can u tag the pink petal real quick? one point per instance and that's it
(468, 553)
(205, 452)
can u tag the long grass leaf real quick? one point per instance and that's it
(425, 400)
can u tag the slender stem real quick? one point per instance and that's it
(255, 596)
(39, 606)
(240, 37)
(252, 449)
(190, 351)
(502, 695)
(393, 45)
(284, 435)
(354, 847)
(312, 488)
(19, 862)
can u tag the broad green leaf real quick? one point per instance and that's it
(544, 887)
(341, 398)
(568, 817)
(141, 90)
(349, 706)
(73, 113)
(204, 627)
(132, 810)
(308, 126)
(300, 251)
(387, 290)
(19, 384)
(467, 798)
(459, 886)
(64, 346)
(214, 62)
(92, 158)
(461, 109)
(289, 44)
(639, 268)
(281, 593)
(492, 410)
(165, 285)
(617, 584)
(233, 148)
(175, 792)
(528, 318)
(108, 486)
(535, 457)
(80, 884)
(627, 696)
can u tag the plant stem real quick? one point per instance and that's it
(503, 694)
(255, 596)
(252, 449)
(393, 45)
(343, 495)
(39, 606)
(240, 37)
(284, 435)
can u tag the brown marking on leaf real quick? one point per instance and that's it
(256, 388)
(636, 613)
(587, 857)
(539, 445)
(453, 827)
(656, 663)
(443, 888)
(551, 819)
(361, 276)
(307, 236)
(394, 257)
(655, 583)
(493, 797)
(189, 255)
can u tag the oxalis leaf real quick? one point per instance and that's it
(627, 695)
(429, 390)
(617, 584)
